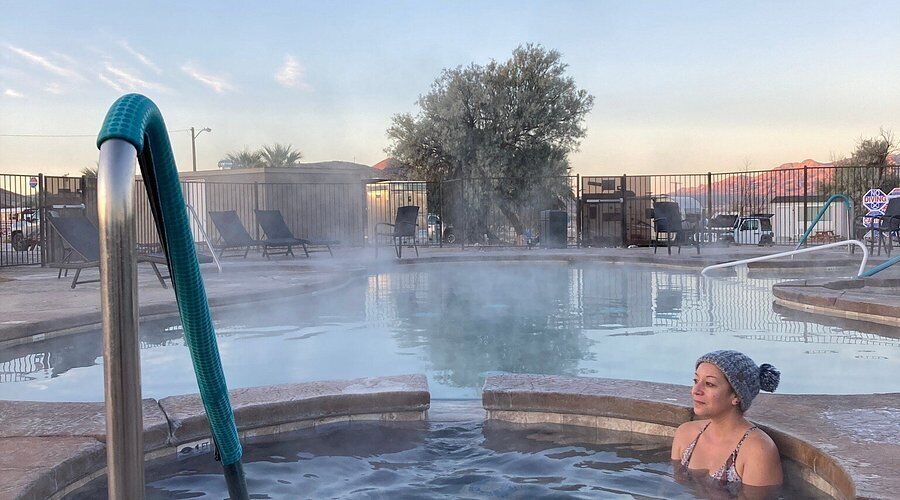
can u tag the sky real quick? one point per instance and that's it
(678, 86)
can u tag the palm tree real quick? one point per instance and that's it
(90, 171)
(245, 158)
(280, 155)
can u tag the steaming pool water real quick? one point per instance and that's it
(439, 460)
(458, 322)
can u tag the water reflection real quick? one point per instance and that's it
(459, 322)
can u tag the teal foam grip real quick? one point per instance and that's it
(136, 119)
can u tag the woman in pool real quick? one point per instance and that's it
(733, 451)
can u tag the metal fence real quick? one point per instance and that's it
(507, 211)
(600, 210)
(616, 210)
(314, 211)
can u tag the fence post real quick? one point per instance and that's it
(42, 214)
(256, 207)
(805, 198)
(365, 215)
(578, 210)
(709, 195)
(624, 189)
(440, 216)
(465, 205)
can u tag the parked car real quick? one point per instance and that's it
(25, 230)
(754, 229)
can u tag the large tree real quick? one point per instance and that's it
(508, 126)
(868, 167)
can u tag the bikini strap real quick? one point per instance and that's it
(741, 442)
(689, 451)
(700, 433)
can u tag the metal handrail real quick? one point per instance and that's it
(847, 203)
(881, 267)
(119, 301)
(862, 265)
(205, 236)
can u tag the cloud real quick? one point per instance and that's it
(218, 84)
(45, 63)
(292, 74)
(115, 86)
(54, 88)
(128, 81)
(12, 93)
(140, 57)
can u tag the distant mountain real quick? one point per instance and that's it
(391, 168)
(784, 180)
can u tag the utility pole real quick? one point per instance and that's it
(194, 144)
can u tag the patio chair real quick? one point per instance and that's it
(404, 226)
(280, 238)
(667, 220)
(888, 227)
(232, 234)
(81, 241)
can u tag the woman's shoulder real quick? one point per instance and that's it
(686, 432)
(758, 462)
(758, 443)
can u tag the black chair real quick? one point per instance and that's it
(404, 226)
(280, 238)
(232, 234)
(667, 220)
(81, 242)
(887, 225)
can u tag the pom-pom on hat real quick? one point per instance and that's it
(745, 377)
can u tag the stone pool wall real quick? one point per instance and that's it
(847, 445)
(50, 449)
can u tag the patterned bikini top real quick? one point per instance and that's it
(727, 474)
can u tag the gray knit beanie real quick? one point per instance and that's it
(742, 373)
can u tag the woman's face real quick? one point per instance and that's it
(712, 393)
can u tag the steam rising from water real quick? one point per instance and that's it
(459, 322)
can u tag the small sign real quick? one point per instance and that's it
(870, 221)
(33, 182)
(875, 199)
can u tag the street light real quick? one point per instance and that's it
(194, 143)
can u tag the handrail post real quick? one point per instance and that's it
(119, 301)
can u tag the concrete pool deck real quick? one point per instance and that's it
(35, 304)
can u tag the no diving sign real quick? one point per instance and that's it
(875, 199)
(33, 182)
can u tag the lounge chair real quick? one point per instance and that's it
(280, 238)
(81, 240)
(404, 226)
(667, 220)
(232, 234)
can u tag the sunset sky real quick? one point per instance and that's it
(679, 87)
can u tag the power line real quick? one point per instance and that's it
(73, 135)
